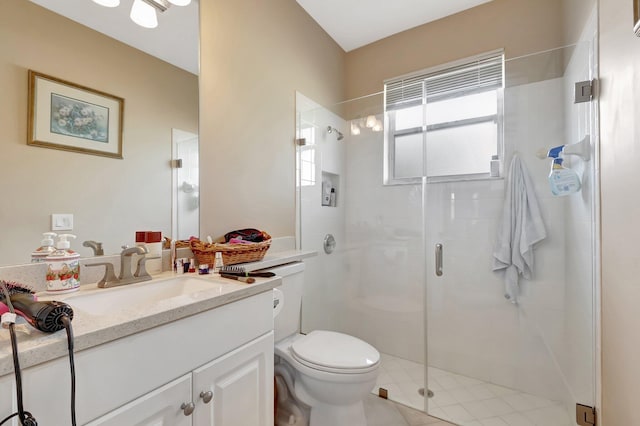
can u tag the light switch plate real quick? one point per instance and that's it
(62, 222)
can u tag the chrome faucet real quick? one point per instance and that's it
(95, 245)
(126, 276)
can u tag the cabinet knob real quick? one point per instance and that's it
(206, 396)
(187, 408)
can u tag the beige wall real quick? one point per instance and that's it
(109, 198)
(518, 26)
(575, 13)
(620, 184)
(254, 56)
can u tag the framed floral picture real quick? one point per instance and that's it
(70, 117)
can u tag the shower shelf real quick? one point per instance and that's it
(329, 189)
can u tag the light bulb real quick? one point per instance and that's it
(108, 3)
(179, 2)
(355, 129)
(143, 14)
(371, 121)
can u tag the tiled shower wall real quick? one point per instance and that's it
(373, 285)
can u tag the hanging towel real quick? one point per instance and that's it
(521, 228)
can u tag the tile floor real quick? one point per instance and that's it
(382, 412)
(467, 401)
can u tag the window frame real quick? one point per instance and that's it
(301, 164)
(391, 135)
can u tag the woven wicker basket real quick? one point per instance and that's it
(177, 243)
(183, 244)
(232, 254)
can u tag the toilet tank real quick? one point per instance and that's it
(287, 322)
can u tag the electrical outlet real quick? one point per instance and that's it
(62, 222)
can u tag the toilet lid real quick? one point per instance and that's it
(331, 351)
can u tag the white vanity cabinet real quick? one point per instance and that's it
(145, 378)
(240, 385)
(7, 396)
(235, 389)
(162, 407)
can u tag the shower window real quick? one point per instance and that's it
(306, 161)
(446, 122)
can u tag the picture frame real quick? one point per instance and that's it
(71, 117)
(636, 17)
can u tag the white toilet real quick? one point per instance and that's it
(327, 374)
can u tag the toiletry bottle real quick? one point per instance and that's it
(218, 262)
(45, 249)
(63, 267)
(494, 167)
(563, 181)
(326, 193)
(332, 197)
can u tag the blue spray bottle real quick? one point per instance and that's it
(563, 181)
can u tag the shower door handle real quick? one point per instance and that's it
(439, 260)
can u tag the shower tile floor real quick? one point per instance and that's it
(464, 400)
(382, 412)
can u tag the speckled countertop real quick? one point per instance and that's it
(90, 329)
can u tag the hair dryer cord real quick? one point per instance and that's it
(25, 417)
(66, 321)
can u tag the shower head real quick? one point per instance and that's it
(333, 129)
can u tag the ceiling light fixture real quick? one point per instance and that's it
(144, 12)
(108, 3)
(371, 121)
(180, 2)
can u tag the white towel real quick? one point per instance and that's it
(521, 228)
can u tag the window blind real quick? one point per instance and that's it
(481, 73)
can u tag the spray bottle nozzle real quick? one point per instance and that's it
(555, 152)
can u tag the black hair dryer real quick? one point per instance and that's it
(46, 316)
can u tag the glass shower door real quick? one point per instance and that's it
(528, 362)
(371, 285)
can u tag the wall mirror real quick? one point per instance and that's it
(109, 198)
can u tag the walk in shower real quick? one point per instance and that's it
(380, 247)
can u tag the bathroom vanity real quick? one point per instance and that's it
(200, 356)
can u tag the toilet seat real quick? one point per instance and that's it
(335, 353)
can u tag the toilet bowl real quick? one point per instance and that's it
(330, 373)
(327, 374)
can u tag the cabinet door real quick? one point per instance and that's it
(8, 404)
(241, 386)
(162, 407)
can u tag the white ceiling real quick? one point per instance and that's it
(175, 40)
(351, 23)
(355, 23)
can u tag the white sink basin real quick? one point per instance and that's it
(130, 296)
